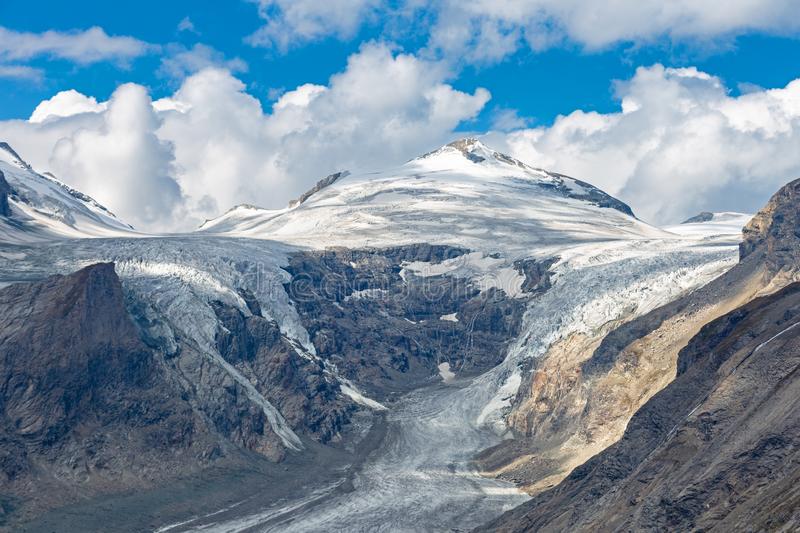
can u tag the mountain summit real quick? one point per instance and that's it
(463, 193)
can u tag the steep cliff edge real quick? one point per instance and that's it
(85, 407)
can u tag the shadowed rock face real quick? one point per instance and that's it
(308, 398)
(718, 447)
(5, 190)
(389, 332)
(82, 398)
(88, 409)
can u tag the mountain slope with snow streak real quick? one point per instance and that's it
(41, 208)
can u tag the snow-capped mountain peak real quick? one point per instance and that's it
(10, 156)
(473, 150)
(463, 194)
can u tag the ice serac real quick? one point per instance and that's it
(38, 207)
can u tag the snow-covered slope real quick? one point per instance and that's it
(461, 194)
(42, 208)
(708, 224)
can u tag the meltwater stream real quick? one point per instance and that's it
(417, 480)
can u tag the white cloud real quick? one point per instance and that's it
(169, 164)
(21, 72)
(181, 61)
(65, 104)
(383, 109)
(489, 30)
(679, 144)
(291, 22)
(83, 47)
(505, 119)
(122, 163)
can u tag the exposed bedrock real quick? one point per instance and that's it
(91, 409)
(716, 448)
(310, 400)
(84, 402)
(388, 328)
(5, 191)
(775, 231)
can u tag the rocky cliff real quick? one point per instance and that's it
(84, 402)
(716, 448)
(90, 409)
(5, 190)
(672, 398)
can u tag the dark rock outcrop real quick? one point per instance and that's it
(84, 402)
(321, 184)
(89, 409)
(5, 191)
(719, 447)
(775, 230)
(388, 329)
(308, 398)
(703, 216)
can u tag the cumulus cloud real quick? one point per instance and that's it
(122, 163)
(170, 164)
(382, 109)
(65, 104)
(80, 46)
(292, 22)
(181, 61)
(679, 144)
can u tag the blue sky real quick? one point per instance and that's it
(673, 107)
(539, 85)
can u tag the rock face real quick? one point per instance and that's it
(774, 230)
(712, 448)
(703, 216)
(387, 329)
(90, 407)
(83, 399)
(5, 191)
(298, 387)
(716, 448)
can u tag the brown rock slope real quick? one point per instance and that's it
(623, 376)
(719, 447)
(585, 389)
(81, 397)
